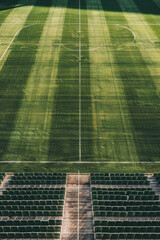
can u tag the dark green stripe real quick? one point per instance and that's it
(16, 70)
(87, 121)
(5, 8)
(64, 136)
(63, 143)
(151, 8)
(140, 93)
(147, 7)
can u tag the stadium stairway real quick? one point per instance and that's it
(78, 215)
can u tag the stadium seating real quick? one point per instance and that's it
(38, 179)
(130, 210)
(118, 179)
(32, 212)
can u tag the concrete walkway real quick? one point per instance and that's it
(78, 215)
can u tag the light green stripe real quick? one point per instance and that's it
(7, 31)
(111, 120)
(31, 134)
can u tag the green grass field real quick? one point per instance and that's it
(80, 85)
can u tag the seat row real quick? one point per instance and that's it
(128, 236)
(53, 178)
(31, 208)
(37, 182)
(129, 192)
(125, 203)
(31, 202)
(35, 188)
(49, 222)
(127, 208)
(29, 235)
(119, 189)
(23, 229)
(119, 178)
(120, 182)
(123, 197)
(128, 229)
(31, 213)
(126, 214)
(32, 197)
(35, 192)
(126, 223)
(116, 174)
(112, 191)
(40, 174)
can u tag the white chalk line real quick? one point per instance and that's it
(82, 162)
(134, 35)
(80, 90)
(78, 233)
(102, 46)
(70, 49)
(16, 34)
(98, 24)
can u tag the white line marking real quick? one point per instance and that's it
(98, 24)
(80, 93)
(70, 49)
(102, 45)
(77, 162)
(78, 210)
(134, 35)
(16, 34)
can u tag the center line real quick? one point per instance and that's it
(80, 148)
(78, 210)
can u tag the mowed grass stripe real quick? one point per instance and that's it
(64, 137)
(153, 9)
(114, 140)
(30, 136)
(146, 38)
(15, 73)
(5, 8)
(140, 93)
(87, 131)
(150, 9)
(7, 31)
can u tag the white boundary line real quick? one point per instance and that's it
(80, 93)
(16, 34)
(78, 209)
(98, 24)
(77, 162)
(80, 50)
(134, 35)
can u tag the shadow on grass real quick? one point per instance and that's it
(64, 136)
(146, 6)
(141, 95)
(14, 75)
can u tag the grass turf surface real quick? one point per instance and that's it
(40, 80)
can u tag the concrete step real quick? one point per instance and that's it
(78, 216)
